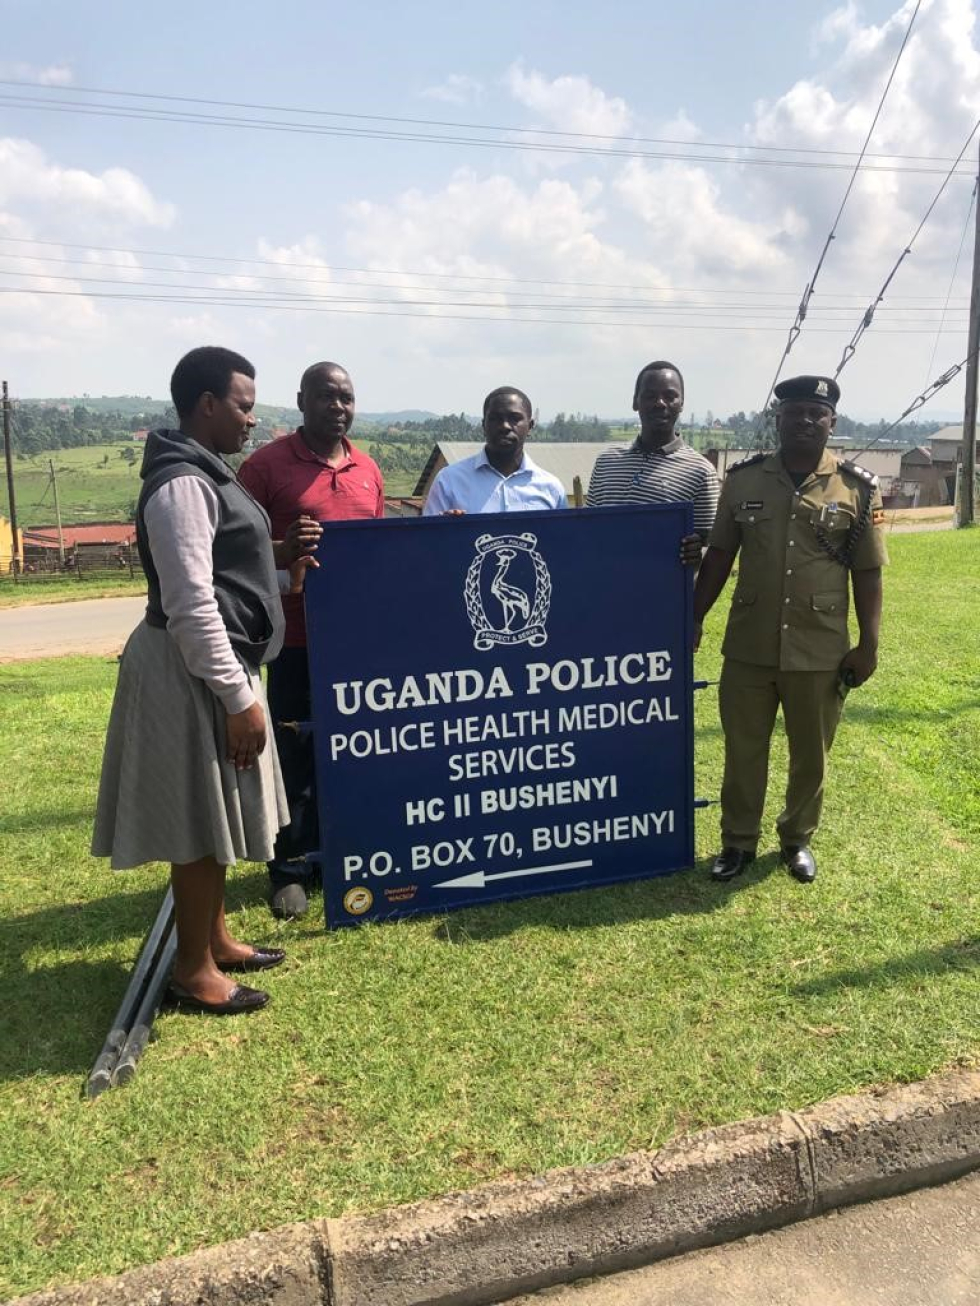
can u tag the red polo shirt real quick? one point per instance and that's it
(289, 480)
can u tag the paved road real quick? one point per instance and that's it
(102, 625)
(50, 629)
(919, 1250)
(913, 528)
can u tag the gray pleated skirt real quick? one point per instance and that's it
(167, 792)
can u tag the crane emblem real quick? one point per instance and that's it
(519, 590)
(511, 598)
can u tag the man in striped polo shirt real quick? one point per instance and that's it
(658, 467)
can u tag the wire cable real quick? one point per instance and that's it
(213, 300)
(688, 154)
(465, 126)
(918, 402)
(739, 311)
(801, 312)
(851, 347)
(398, 272)
(587, 303)
(952, 280)
(461, 126)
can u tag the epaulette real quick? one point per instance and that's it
(856, 470)
(746, 462)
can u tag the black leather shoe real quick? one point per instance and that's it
(800, 862)
(261, 959)
(731, 862)
(238, 1000)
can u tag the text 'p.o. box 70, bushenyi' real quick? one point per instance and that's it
(502, 706)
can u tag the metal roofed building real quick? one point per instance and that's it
(908, 475)
(402, 505)
(96, 546)
(884, 460)
(946, 445)
(565, 459)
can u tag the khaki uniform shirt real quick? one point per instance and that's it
(789, 607)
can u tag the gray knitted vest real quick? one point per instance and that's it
(245, 583)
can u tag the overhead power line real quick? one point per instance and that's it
(952, 279)
(240, 261)
(401, 122)
(801, 312)
(918, 402)
(212, 299)
(688, 154)
(571, 305)
(869, 313)
(88, 264)
(464, 126)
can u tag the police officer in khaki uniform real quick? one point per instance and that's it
(803, 521)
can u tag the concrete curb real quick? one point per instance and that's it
(481, 1247)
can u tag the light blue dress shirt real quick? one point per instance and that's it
(475, 485)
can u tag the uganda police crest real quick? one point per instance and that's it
(508, 591)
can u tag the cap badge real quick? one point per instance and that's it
(822, 389)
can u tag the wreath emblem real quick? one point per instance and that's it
(522, 615)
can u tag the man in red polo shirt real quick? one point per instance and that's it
(313, 475)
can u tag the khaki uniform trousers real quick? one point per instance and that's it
(748, 697)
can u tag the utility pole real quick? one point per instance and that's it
(15, 547)
(968, 472)
(57, 513)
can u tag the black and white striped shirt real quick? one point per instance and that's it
(674, 473)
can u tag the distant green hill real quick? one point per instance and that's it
(128, 405)
(144, 406)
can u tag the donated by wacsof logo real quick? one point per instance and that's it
(358, 900)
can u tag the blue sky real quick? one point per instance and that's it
(607, 259)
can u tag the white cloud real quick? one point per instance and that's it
(55, 75)
(680, 128)
(58, 74)
(458, 88)
(300, 255)
(643, 225)
(47, 319)
(115, 197)
(569, 103)
(482, 226)
(927, 112)
(116, 263)
(687, 217)
(52, 305)
(192, 328)
(931, 106)
(516, 235)
(730, 230)
(842, 22)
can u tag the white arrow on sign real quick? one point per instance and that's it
(479, 879)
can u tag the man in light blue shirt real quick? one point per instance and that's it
(501, 477)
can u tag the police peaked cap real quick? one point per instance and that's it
(809, 389)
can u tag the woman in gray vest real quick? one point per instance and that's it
(190, 774)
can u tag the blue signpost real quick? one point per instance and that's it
(502, 706)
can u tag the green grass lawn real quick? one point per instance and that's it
(402, 1060)
(401, 484)
(94, 484)
(59, 589)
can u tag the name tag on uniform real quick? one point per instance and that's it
(751, 505)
